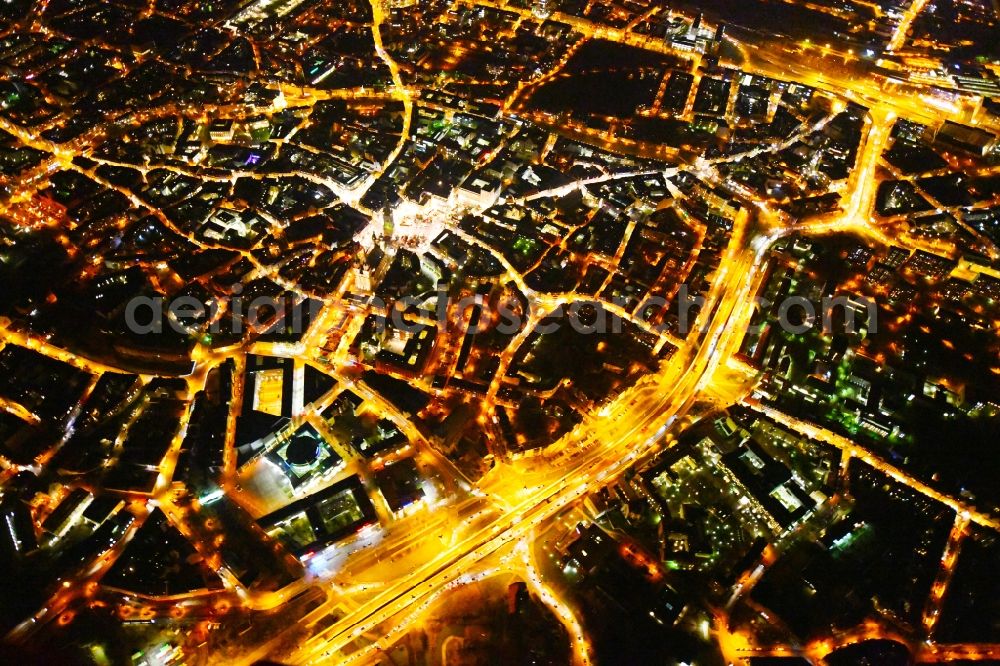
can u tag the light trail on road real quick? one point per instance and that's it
(616, 450)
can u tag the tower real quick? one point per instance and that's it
(544, 8)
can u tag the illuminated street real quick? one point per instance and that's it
(500, 331)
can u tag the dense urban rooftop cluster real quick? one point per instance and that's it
(587, 331)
